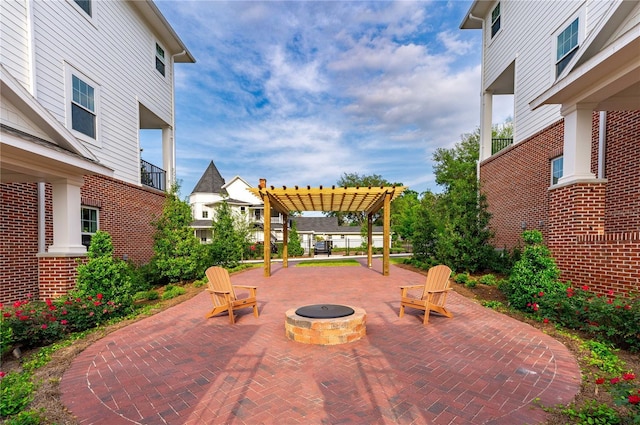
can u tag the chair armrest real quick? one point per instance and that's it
(214, 291)
(252, 289)
(405, 288)
(438, 291)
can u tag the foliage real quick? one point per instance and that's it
(294, 244)
(404, 214)
(625, 391)
(603, 356)
(16, 392)
(593, 413)
(534, 276)
(171, 291)
(37, 323)
(426, 228)
(461, 278)
(104, 274)
(178, 254)
(229, 238)
(489, 279)
(611, 317)
(359, 218)
(471, 283)
(25, 417)
(494, 305)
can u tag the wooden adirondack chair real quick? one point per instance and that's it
(434, 293)
(223, 295)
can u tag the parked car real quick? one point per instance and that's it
(322, 247)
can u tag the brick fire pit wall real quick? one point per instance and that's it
(340, 330)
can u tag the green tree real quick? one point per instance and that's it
(425, 230)
(104, 274)
(229, 237)
(294, 244)
(359, 218)
(404, 214)
(178, 254)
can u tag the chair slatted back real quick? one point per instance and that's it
(219, 280)
(437, 280)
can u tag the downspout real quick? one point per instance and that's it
(173, 176)
(602, 144)
(481, 148)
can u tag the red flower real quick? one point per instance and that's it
(609, 301)
(535, 307)
(599, 381)
(97, 303)
(585, 288)
(63, 322)
(252, 247)
(540, 294)
(44, 326)
(634, 399)
(615, 381)
(545, 320)
(610, 293)
(7, 314)
(628, 376)
(627, 307)
(17, 304)
(99, 296)
(23, 318)
(2, 374)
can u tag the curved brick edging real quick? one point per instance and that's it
(339, 330)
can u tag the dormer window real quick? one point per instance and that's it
(160, 61)
(567, 46)
(495, 20)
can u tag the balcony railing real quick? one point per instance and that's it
(498, 144)
(152, 176)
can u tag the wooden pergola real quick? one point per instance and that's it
(342, 199)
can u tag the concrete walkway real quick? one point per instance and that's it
(179, 368)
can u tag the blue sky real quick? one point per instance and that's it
(301, 92)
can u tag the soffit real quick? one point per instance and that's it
(343, 199)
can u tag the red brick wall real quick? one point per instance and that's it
(591, 229)
(18, 241)
(516, 182)
(126, 212)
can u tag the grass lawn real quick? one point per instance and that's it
(327, 263)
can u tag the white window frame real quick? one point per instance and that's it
(162, 58)
(580, 16)
(82, 230)
(92, 18)
(70, 72)
(555, 161)
(205, 214)
(494, 21)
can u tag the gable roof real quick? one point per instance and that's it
(210, 182)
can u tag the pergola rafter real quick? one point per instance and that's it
(339, 199)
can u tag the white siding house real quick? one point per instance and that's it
(79, 80)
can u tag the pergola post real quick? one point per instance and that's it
(267, 236)
(285, 242)
(370, 240)
(386, 233)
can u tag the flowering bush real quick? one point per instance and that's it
(614, 317)
(37, 323)
(626, 392)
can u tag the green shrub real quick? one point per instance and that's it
(104, 274)
(171, 291)
(534, 275)
(603, 357)
(26, 417)
(16, 392)
(461, 278)
(593, 413)
(471, 283)
(489, 279)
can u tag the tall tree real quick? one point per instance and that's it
(294, 244)
(229, 238)
(404, 214)
(359, 218)
(177, 251)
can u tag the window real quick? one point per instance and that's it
(495, 20)
(89, 226)
(556, 170)
(205, 214)
(242, 210)
(84, 5)
(567, 46)
(256, 214)
(160, 59)
(83, 109)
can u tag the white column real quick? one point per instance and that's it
(67, 238)
(486, 125)
(577, 144)
(169, 156)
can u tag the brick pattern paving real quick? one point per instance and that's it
(177, 367)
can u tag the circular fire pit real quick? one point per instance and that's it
(325, 324)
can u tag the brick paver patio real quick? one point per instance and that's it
(179, 368)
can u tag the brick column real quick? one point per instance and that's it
(57, 274)
(574, 210)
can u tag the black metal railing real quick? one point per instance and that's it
(152, 176)
(498, 144)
